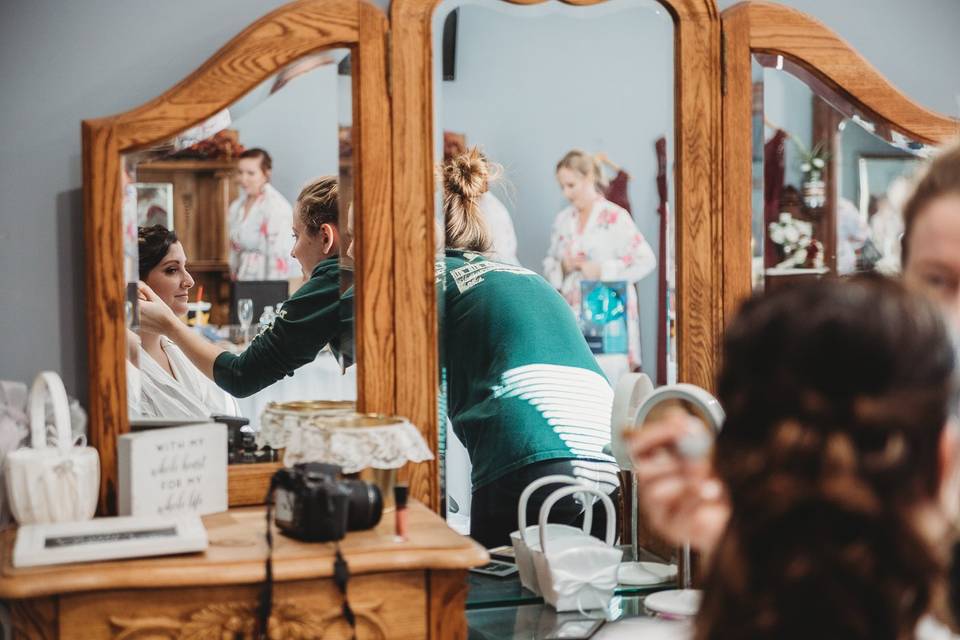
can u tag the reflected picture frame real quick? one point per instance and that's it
(877, 169)
(154, 204)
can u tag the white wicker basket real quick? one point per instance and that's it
(577, 572)
(526, 538)
(52, 484)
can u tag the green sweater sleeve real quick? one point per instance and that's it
(308, 321)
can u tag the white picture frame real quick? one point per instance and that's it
(108, 539)
(154, 204)
(876, 172)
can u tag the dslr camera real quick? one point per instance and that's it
(312, 502)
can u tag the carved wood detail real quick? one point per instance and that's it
(238, 620)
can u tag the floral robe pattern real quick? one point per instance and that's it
(611, 239)
(260, 244)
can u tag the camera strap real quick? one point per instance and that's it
(341, 576)
(266, 592)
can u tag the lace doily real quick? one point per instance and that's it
(338, 436)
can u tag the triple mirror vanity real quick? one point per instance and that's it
(759, 148)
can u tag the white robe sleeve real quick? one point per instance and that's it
(633, 257)
(552, 264)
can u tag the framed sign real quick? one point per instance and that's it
(107, 539)
(172, 471)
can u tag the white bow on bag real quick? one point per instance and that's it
(577, 572)
(52, 484)
(525, 539)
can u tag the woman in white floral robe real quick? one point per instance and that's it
(259, 224)
(594, 239)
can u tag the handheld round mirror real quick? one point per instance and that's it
(636, 403)
(705, 415)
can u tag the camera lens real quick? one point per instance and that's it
(366, 505)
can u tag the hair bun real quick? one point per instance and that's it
(466, 174)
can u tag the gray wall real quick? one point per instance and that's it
(61, 62)
(787, 104)
(297, 126)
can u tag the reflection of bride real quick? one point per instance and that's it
(172, 387)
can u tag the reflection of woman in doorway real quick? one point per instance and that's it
(259, 224)
(594, 239)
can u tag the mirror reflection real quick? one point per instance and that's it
(237, 243)
(830, 180)
(557, 274)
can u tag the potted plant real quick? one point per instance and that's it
(812, 163)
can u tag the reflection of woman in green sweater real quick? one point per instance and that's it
(524, 393)
(310, 319)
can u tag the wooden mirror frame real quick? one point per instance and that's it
(764, 27)
(258, 52)
(697, 194)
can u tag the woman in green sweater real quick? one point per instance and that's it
(524, 393)
(310, 319)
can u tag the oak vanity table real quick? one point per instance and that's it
(413, 590)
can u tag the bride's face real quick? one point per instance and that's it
(170, 279)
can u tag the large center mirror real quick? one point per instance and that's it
(559, 161)
(568, 160)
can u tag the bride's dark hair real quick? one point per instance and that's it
(152, 245)
(836, 396)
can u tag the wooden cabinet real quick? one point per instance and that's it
(202, 193)
(387, 605)
(413, 589)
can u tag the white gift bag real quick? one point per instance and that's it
(52, 484)
(526, 538)
(577, 572)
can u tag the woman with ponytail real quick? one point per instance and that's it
(594, 239)
(524, 393)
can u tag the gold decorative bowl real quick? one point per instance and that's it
(332, 432)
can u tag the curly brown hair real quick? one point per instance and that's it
(153, 243)
(836, 395)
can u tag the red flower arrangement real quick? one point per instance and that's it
(223, 145)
